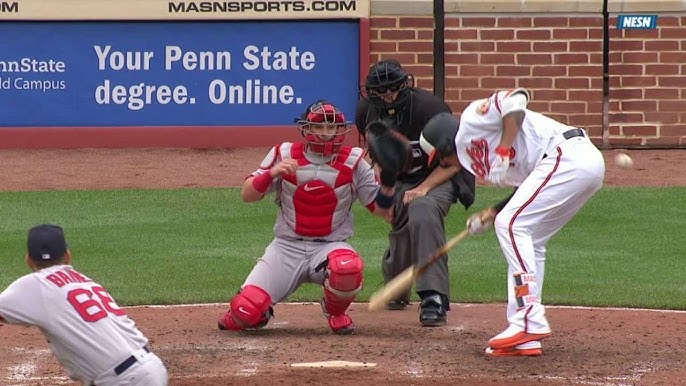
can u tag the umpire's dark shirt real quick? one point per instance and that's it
(410, 120)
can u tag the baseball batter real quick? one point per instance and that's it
(315, 184)
(90, 335)
(554, 168)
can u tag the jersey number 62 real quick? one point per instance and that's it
(93, 304)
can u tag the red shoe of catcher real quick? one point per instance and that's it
(340, 324)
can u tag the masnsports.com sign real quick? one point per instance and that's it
(182, 10)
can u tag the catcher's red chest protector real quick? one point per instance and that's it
(316, 200)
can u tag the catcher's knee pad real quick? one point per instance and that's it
(250, 308)
(344, 273)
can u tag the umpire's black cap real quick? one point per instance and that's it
(46, 243)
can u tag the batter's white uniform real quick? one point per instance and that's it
(556, 169)
(315, 215)
(90, 335)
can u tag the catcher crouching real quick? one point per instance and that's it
(315, 183)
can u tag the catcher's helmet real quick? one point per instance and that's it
(386, 75)
(438, 136)
(324, 127)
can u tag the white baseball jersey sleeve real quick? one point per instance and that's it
(87, 331)
(480, 132)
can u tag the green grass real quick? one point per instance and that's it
(625, 248)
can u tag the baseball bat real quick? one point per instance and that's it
(403, 281)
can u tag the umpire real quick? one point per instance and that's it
(424, 193)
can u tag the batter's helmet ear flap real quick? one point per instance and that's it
(438, 136)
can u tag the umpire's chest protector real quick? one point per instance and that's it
(316, 200)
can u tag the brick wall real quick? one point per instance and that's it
(648, 83)
(559, 59)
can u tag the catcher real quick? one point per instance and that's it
(315, 183)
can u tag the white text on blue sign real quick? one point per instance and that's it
(637, 22)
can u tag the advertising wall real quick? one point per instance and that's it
(230, 77)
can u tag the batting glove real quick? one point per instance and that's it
(479, 223)
(496, 175)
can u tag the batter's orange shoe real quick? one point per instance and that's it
(512, 337)
(514, 352)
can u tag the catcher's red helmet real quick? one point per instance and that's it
(324, 127)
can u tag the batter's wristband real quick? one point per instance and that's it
(261, 183)
(383, 201)
(502, 151)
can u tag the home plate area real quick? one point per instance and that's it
(332, 364)
(589, 346)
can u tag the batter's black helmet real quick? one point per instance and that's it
(438, 136)
(386, 75)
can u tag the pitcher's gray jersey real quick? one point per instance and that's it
(87, 331)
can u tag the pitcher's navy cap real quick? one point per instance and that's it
(46, 242)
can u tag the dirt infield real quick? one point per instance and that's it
(588, 347)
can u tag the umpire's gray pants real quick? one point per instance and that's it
(418, 230)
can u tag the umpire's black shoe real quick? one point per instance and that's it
(432, 312)
(397, 305)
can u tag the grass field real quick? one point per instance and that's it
(625, 248)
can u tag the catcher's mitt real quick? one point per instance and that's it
(388, 148)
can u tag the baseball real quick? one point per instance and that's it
(624, 161)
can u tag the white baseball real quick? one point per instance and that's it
(624, 161)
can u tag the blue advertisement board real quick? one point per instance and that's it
(174, 73)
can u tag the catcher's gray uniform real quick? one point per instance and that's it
(312, 226)
(290, 260)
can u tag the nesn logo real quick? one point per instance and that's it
(637, 21)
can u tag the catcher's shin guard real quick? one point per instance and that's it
(251, 308)
(343, 281)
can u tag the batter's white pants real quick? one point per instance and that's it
(546, 200)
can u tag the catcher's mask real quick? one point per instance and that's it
(438, 136)
(324, 127)
(385, 78)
